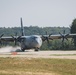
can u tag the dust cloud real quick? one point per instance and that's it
(10, 49)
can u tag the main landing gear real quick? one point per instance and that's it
(23, 50)
(37, 49)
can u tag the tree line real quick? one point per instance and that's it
(33, 30)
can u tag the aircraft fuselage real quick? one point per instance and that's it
(30, 42)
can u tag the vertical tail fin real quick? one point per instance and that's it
(22, 29)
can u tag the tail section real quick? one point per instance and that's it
(22, 29)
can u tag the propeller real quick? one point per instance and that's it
(45, 37)
(1, 37)
(16, 38)
(64, 36)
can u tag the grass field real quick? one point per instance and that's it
(38, 66)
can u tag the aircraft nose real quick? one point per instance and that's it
(38, 42)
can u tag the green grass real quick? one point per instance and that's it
(38, 66)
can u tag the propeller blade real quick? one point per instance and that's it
(50, 36)
(0, 38)
(61, 34)
(66, 39)
(47, 39)
(66, 35)
(63, 40)
(19, 38)
(43, 38)
(1, 35)
(63, 31)
(14, 38)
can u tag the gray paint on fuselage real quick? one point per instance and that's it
(29, 42)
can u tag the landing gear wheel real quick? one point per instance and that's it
(23, 50)
(36, 49)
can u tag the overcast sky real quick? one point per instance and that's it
(42, 13)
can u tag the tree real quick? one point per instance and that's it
(73, 30)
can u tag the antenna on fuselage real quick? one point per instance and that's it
(22, 29)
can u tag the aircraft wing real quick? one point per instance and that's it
(10, 39)
(59, 36)
(44, 37)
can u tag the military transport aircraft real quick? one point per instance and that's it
(33, 41)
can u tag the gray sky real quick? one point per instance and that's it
(40, 13)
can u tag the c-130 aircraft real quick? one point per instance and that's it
(33, 41)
